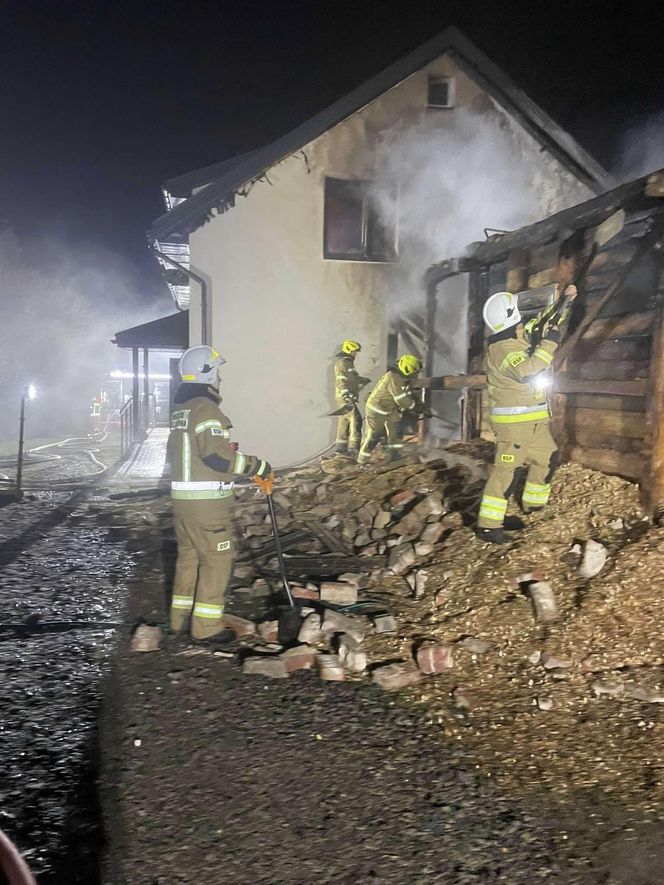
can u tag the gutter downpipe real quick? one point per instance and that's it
(204, 291)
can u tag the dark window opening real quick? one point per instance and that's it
(440, 92)
(354, 230)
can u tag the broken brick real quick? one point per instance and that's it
(302, 657)
(382, 519)
(402, 499)
(401, 558)
(310, 631)
(551, 662)
(434, 657)
(358, 579)
(268, 630)
(305, 592)
(393, 676)
(145, 638)
(330, 668)
(339, 592)
(239, 626)
(336, 622)
(433, 533)
(367, 513)
(271, 666)
(544, 602)
(385, 624)
(351, 655)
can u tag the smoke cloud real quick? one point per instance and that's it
(61, 306)
(641, 149)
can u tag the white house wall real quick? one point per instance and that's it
(279, 309)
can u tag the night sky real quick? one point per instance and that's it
(102, 101)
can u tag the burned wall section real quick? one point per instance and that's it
(605, 403)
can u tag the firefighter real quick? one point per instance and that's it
(347, 384)
(204, 467)
(386, 405)
(517, 361)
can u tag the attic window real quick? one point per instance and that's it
(440, 92)
(353, 229)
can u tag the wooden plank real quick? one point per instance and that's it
(619, 349)
(292, 539)
(562, 384)
(331, 564)
(334, 543)
(653, 479)
(612, 257)
(608, 423)
(621, 326)
(590, 438)
(609, 461)
(647, 243)
(614, 403)
(543, 278)
(655, 185)
(451, 382)
(610, 370)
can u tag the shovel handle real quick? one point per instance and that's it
(265, 485)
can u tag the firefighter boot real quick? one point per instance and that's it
(493, 536)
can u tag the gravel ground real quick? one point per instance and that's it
(56, 567)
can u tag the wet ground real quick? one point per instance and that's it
(55, 568)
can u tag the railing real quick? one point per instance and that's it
(135, 420)
(127, 429)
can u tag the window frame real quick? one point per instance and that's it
(364, 256)
(450, 92)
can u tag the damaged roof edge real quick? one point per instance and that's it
(587, 214)
(191, 214)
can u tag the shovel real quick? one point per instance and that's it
(289, 622)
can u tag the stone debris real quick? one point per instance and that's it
(310, 630)
(382, 519)
(360, 580)
(301, 657)
(434, 657)
(351, 655)
(544, 703)
(368, 513)
(268, 630)
(475, 645)
(330, 668)
(402, 499)
(385, 624)
(353, 625)
(300, 592)
(145, 638)
(433, 532)
(423, 548)
(551, 662)
(544, 602)
(393, 676)
(272, 666)
(594, 559)
(240, 626)
(402, 557)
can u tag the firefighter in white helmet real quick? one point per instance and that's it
(347, 384)
(387, 403)
(204, 468)
(517, 361)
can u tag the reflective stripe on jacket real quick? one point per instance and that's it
(392, 396)
(203, 463)
(514, 374)
(346, 380)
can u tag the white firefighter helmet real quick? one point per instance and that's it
(501, 311)
(199, 365)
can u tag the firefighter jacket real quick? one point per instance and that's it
(204, 466)
(391, 397)
(346, 380)
(514, 376)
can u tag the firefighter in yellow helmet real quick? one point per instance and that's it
(204, 468)
(347, 384)
(386, 405)
(517, 379)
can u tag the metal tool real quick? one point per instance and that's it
(289, 622)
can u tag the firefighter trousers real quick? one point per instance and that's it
(518, 446)
(349, 429)
(377, 427)
(204, 534)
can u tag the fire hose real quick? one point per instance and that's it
(12, 864)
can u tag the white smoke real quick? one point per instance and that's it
(641, 149)
(61, 306)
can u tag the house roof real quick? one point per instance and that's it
(193, 212)
(182, 186)
(166, 333)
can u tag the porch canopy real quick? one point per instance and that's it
(167, 334)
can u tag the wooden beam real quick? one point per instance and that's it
(562, 384)
(621, 326)
(609, 461)
(647, 243)
(598, 401)
(653, 480)
(331, 564)
(607, 423)
(611, 370)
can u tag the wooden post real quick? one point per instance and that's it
(653, 482)
(135, 393)
(146, 388)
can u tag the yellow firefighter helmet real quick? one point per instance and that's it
(350, 346)
(409, 364)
